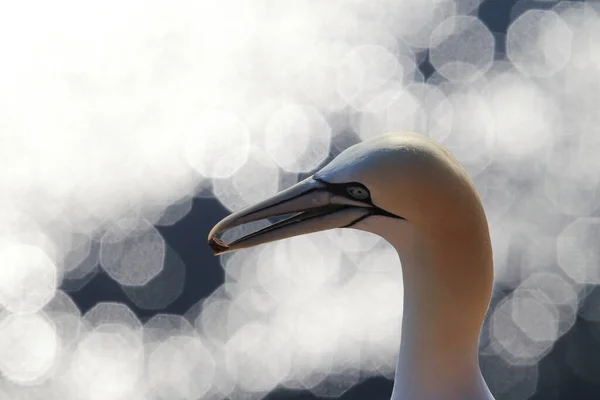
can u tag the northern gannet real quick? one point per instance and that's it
(409, 190)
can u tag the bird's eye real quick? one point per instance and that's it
(357, 192)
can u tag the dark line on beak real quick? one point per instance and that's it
(300, 217)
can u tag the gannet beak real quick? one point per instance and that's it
(315, 207)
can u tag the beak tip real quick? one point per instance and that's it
(217, 246)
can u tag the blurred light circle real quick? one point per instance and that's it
(365, 71)
(536, 319)
(259, 358)
(516, 334)
(437, 110)
(525, 117)
(578, 252)
(28, 347)
(255, 181)
(181, 365)
(136, 259)
(164, 288)
(163, 326)
(112, 314)
(28, 278)
(462, 48)
(414, 20)
(216, 138)
(539, 43)
(106, 365)
(392, 110)
(297, 138)
(472, 131)
(582, 19)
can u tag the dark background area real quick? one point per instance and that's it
(578, 350)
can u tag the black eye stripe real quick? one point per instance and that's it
(340, 189)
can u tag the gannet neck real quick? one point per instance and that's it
(447, 274)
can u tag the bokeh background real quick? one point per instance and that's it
(128, 129)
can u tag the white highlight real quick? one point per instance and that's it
(106, 365)
(28, 277)
(28, 347)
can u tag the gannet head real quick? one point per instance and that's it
(395, 182)
(409, 190)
